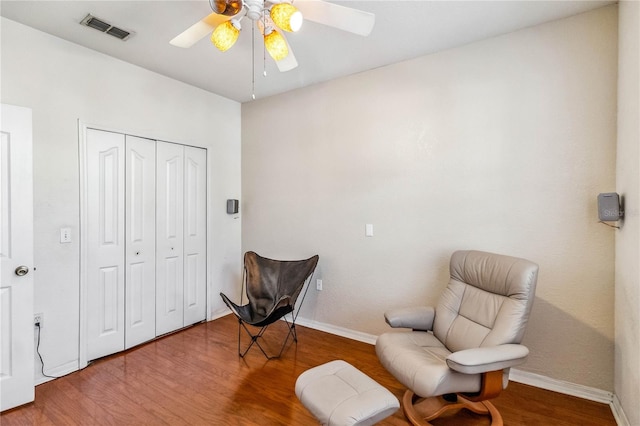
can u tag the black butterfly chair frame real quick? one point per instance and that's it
(272, 288)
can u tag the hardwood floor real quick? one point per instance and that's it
(195, 377)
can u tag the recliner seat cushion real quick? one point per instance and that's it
(418, 360)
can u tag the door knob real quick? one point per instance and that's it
(22, 271)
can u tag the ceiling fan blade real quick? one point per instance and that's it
(199, 30)
(341, 17)
(289, 62)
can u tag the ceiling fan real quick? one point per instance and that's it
(271, 17)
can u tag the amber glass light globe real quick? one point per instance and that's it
(286, 17)
(276, 45)
(225, 36)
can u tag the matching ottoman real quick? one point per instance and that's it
(339, 394)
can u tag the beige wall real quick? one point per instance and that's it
(62, 83)
(500, 145)
(627, 301)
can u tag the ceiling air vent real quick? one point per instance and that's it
(105, 27)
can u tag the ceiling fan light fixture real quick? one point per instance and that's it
(226, 7)
(225, 35)
(276, 45)
(287, 17)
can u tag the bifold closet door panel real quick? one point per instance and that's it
(105, 269)
(140, 233)
(195, 235)
(169, 237)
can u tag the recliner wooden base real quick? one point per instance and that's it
(420, 411)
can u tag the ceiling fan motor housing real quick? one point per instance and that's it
(254, 9)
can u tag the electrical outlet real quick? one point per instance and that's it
(319, 284)
(38, 320)
(65, 235)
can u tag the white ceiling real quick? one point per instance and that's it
(403, 30)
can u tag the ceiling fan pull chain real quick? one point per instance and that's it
(264, 45)
(253, 62)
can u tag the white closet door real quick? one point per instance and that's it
(105, 243)
(195, 235)
(140, 250)
(169, 237)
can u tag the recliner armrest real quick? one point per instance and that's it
(417, 318)
(482, 360)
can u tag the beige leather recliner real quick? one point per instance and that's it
(458, 355)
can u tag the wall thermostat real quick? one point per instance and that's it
(232, 206)
(609, 207)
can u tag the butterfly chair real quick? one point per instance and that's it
(272, 287)
(458, 355)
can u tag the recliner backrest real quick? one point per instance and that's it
(487, 301)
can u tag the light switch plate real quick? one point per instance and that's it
(368, 230)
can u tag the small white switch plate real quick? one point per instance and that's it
(318, 284)
(368, 230)
(65, 235)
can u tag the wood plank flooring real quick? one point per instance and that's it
(195, 377)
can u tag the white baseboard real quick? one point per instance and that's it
(338, 331)
(561, 386)
(618, 413)
(56, 372)
(219, 314)
(320, 326)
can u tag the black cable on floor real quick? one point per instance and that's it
(40, 356)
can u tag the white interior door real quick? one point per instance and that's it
(140, 233)
(16, 251)
(195, 235)
(105, 153)
(169, 237)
